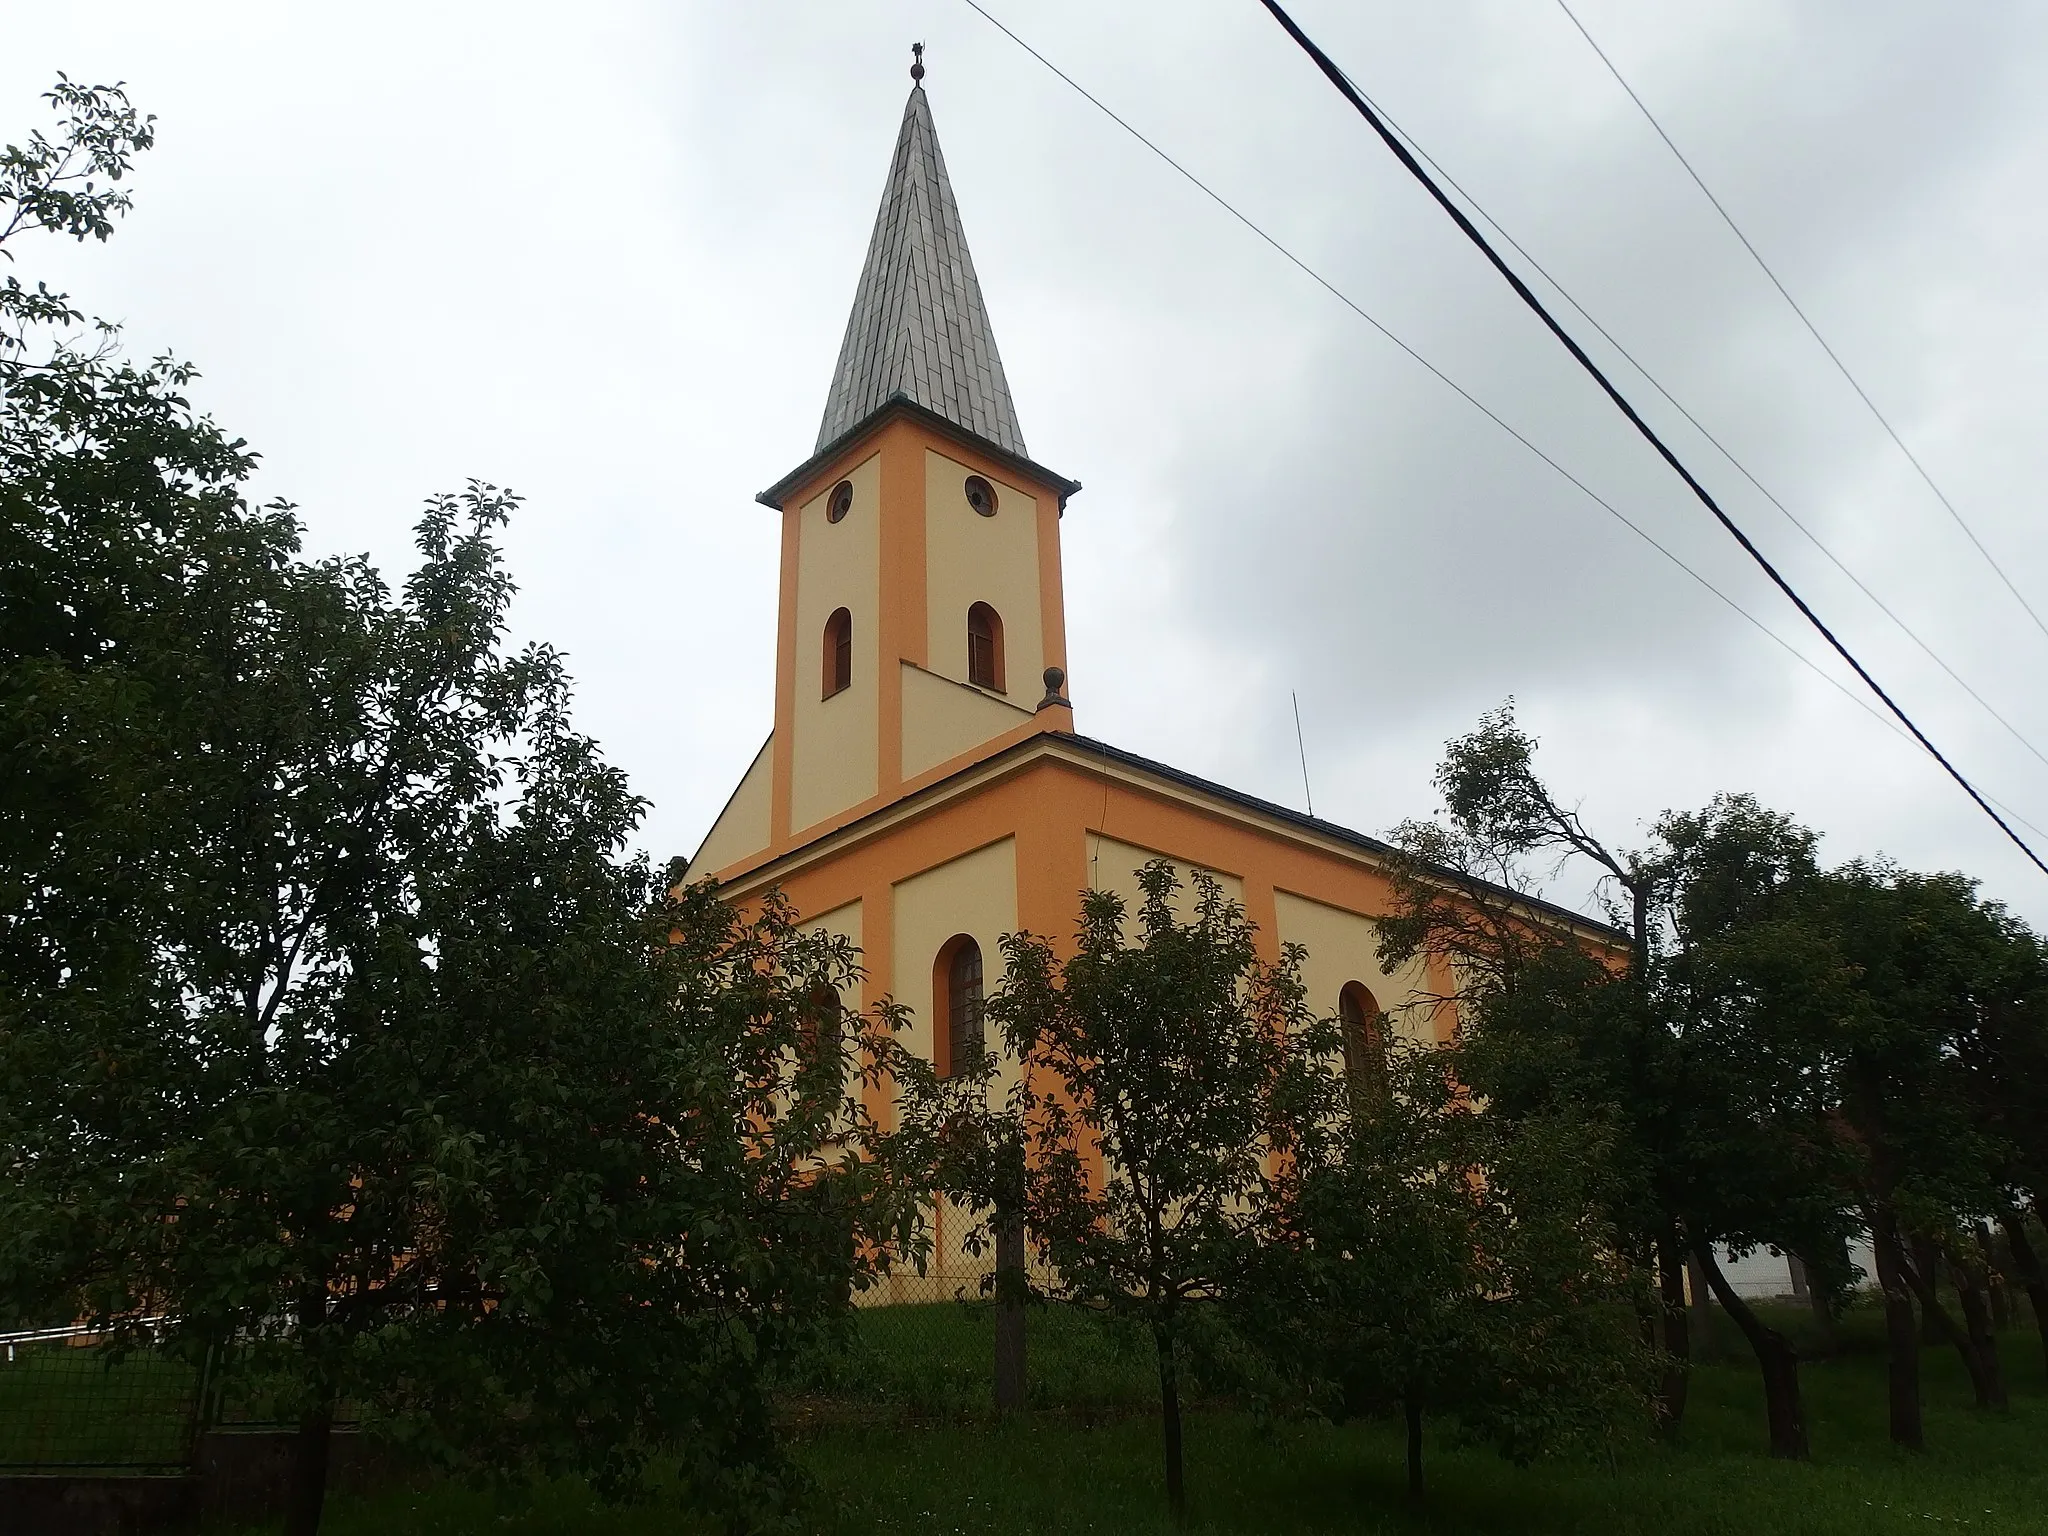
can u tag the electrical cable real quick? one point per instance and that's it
(1591, 495)
(1719, 447)
(1649, 434)
(1812, 329)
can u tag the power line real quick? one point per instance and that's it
(1466, 395)
(1719, 447)
(1649, 434)
(1812, 329)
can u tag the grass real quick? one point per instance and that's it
(90, 1407)
(918, 1463)
(934, 1362)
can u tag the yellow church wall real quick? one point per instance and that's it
(1342, 948)
(973, 559)
(931, 871)
(1012, 847)
(838, 565)
(1113, 866)
(843, 922)
(974, 894)
(742, 827)
(943, 719)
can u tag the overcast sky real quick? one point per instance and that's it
(603, 254)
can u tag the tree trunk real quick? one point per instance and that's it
(1900, 1334)
(1783, 1408)
(2028, 1263)
(306, 1488)
(1795, 1270)
(1923, 1258)
(1706, 1343)
(1411, 1409)
(1010, 1297)
(1993, 1268)
(1981, 1340)
(1818, 1296)
(1984, 1376)
(1976, 1303)
(1995, 1276)
(1824, 1320)
(1648, 1312)
(1671, 1392)
(306, 1482)
(1169, 1423)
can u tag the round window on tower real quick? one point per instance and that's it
(981, 496)
(841, 502)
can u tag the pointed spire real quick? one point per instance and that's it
(919, 327)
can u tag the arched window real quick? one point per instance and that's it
(838, 652)
(821, 1021)
(1365, 1041)
(985, 647)
(956, 990)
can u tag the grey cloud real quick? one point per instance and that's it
(606, 256)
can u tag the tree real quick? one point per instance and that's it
(1149, 1130)
(1444, 1261)
(67, 187)
(1931, 990)
(1719, 1135)
(334, 1021)
(2005, 1056)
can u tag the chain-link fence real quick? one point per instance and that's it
(918, 1346)
(85, 1399)
(80, 1399)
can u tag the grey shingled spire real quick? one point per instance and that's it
(918, 326)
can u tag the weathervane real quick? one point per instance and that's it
(917, 61)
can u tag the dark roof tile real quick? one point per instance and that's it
(918, 326)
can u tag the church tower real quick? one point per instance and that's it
(920, 611)
(923, 792)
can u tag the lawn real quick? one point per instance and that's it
(896, 1440)
(93, 1407)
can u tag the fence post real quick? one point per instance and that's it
(1012, 1287)
(202, 1401)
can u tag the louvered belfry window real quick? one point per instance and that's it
(984, 647)
(963, 1006)
(838, 652)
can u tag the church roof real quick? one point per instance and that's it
(1100, 757)
(919, 329)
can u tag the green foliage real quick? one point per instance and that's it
(1932, 993)
(1146, 1135)
(1696, 1051)
(1788, 1055)
(1051, 1476)
(1674, 1029)
(65, 187)
(1445, 1261)
(334, 1021)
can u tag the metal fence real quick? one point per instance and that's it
(80, 1399)
(917, 1346)
(85, 1399)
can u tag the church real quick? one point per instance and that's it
(924, 790)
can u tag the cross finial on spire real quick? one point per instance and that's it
(917, 61)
